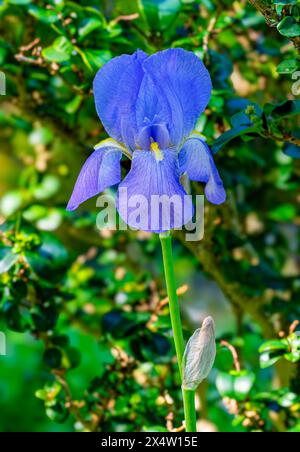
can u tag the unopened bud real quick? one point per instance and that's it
(199, 355)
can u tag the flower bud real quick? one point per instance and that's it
(199, 355)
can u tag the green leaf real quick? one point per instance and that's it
(289, 27)
(295, 429)
(47, 16)
(235, 385)
(60, 51)
(292, 151)
(44, 319)
(57, 413)
(268, 359)
(284, 213)
(94, 59)
(14, 318)
(284, 110)
(50, 260)
(11, 202)
(285, 2)
(270, 346)
(41, 135)
(74, 104)
(288, 66)
(160, 13)
(19, 2)
(231, 134)
(8, 262)
(288, 400)
(88, 26)
(49, 186)
(293, 357)
(71, 358)
(53, 358)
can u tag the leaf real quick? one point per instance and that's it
(268, 359)
(57, 413)
(48, 187)
(72, 358)
(289, 27)
(293, 357)
(284, 213)
(60, 51)
(287, 400)
(19, 2)
(231, 134)
(88, 26)
(94, 59)
(74, 104)
(160, 13)
(52, 358)
(295, 429)
(151, 347)
(284, 110)
(50, 260)
(48, 16)
(285, 2)
(235, 385)
(14, 318)
(292, 151)
(11, 202)
(288, 66)
(241, 119)
(8, 262)
(273, 346)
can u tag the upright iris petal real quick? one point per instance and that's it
(182, 83)
(150, 106)
(116, 89)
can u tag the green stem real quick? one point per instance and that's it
(188, 396)
(189, 410)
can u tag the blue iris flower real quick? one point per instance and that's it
(149, 106)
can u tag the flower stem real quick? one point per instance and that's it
(189, 410)
(188, 396)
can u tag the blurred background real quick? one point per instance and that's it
(89, 345)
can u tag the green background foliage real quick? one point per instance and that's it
(88, 332)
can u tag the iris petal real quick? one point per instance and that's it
(182, 82)
(197, 161)
(151, 106)
(151, 197)
(116, 89)
(101, 170)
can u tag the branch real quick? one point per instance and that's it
(267, 10)
(234, 353)
(269, 13)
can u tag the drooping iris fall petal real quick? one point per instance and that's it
(197, 161)
(101, 170)
(154, 179)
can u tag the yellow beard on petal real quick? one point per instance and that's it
(157, 152)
